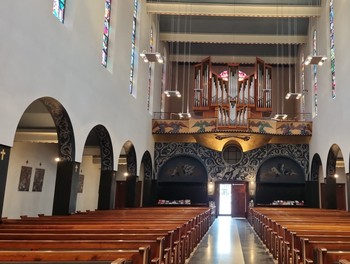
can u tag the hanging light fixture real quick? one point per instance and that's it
(315, 60)
(187, 114)
(290, 94)
(175, 92)
(150, 56)
(279, 116)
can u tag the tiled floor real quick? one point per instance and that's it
(230, 241)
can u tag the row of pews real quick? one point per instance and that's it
(303, 235)
(156, 235)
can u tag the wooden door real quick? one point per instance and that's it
(138, 194)
(341, 202)
(239, 200)
(120, 196)
(323, 196)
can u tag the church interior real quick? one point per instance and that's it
(227, 107)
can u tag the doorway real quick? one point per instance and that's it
(233, 199)
(225, 199)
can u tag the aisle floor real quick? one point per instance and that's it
(230, 241)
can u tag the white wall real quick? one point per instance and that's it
(332, 123)
(30, 203)
(46, 58)
(88, 199)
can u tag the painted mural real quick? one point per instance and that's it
(210, 125)
(183, 168)
(281, 169)
(294, 128)
(218, 169)
(184, 126)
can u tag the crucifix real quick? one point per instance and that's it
(2, 153)
(76, 167)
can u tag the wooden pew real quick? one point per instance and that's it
(155, 246)
(325, 256)
(137, 256)
(187, 226)
(282, 228)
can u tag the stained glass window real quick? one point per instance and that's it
(150, 71)
(302, 70)
(315, 72)
(331, 21)
(58, 9)
(133, 37)
(106, 32)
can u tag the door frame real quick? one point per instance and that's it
(217, 194)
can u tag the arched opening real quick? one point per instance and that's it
(312, 183)
(146, 176)
(128, 191)
(43, 151)
(333, 190)
(96, 184)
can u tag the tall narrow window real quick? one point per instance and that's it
(106, 32)
(302, 79)
(58, 9)
(133, 38)
(150, 72)
(331, 22)
(315, 72)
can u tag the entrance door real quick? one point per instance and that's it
(225, 199)
(239, 201)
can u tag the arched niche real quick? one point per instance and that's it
(148, 184)
(96, 188)
(333, 191)
(281, 179)
(183, 177)
(128, 191)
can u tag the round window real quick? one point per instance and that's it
(232, 154)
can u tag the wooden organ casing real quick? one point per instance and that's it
(233, 101)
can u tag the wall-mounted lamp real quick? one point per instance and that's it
(57, 159)
(151, 57)
(169, 93)
(126, 174)
(336, 176)
(316, 60)
(211, 187)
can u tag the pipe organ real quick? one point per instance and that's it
(232, 100)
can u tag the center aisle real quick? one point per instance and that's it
(230, 240)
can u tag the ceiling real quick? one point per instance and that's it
(234, 30)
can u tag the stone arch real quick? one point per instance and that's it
(99, 145)
(333, 193)
(64, 128)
